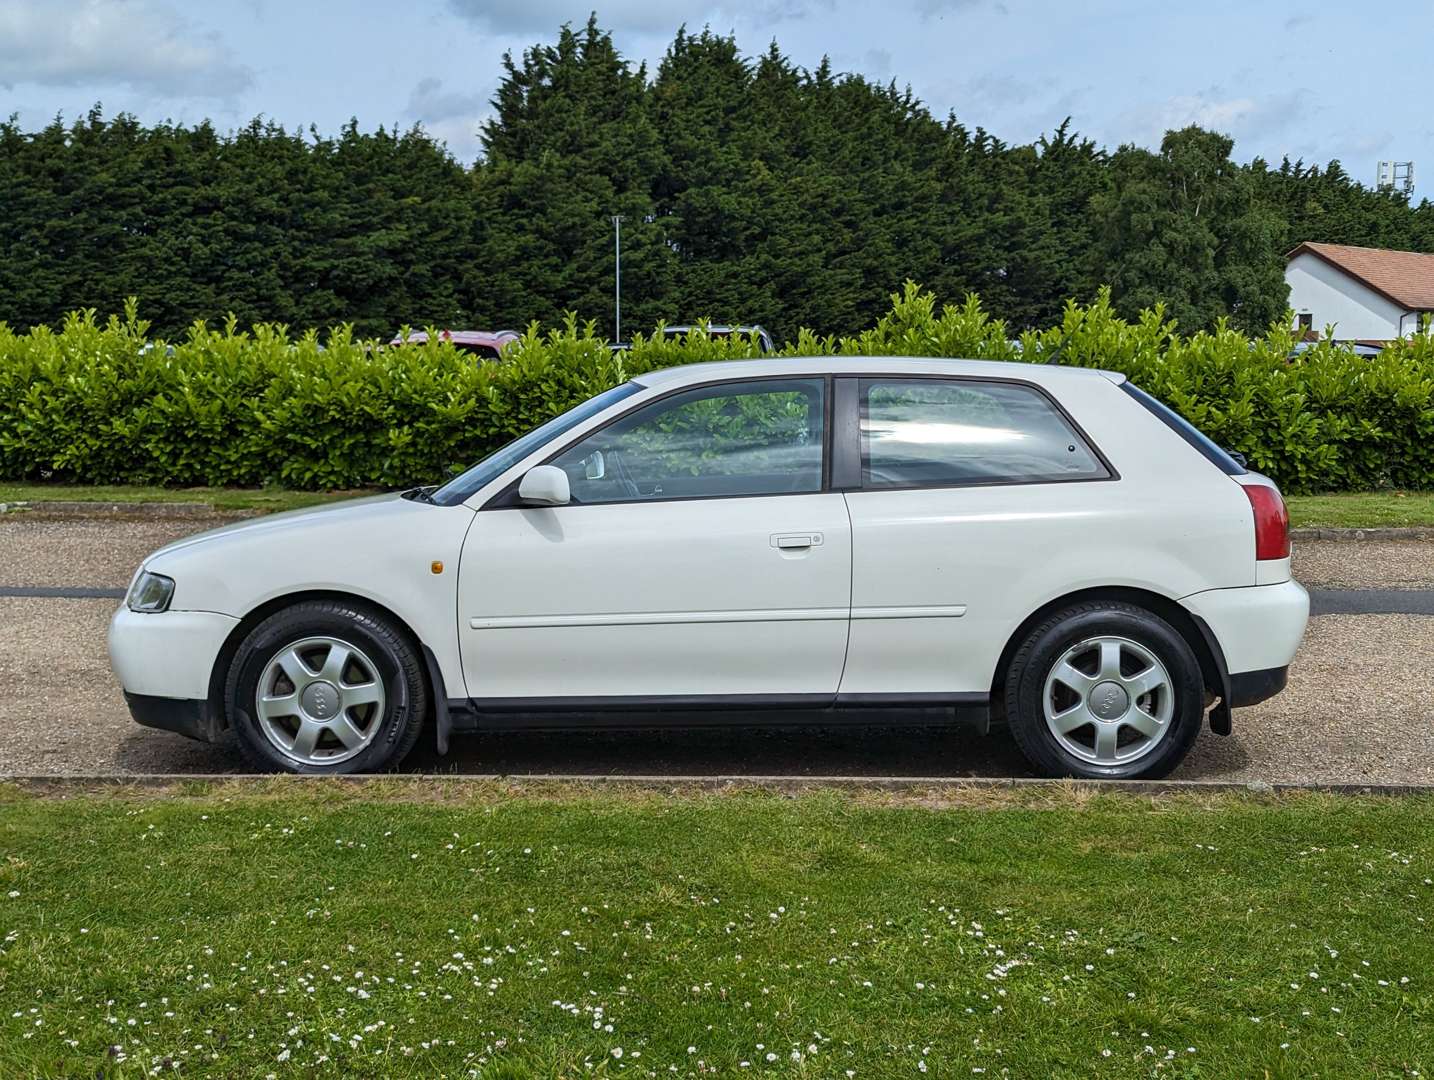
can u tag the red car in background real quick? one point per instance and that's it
(488, 344)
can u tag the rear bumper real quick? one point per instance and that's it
(1257, 629)
(1253, 687)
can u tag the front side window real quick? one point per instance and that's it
(756, 438)
(945, 432)
(467, 484)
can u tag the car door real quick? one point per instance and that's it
(701, 557)
(963, 494)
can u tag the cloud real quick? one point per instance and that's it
(429, 102)
(877, 63)
(143, 44)
(543, 17)
(936, 9)
(451, 116)
(989, 93)
(1244, 117)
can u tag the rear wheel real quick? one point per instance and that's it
(326, 687)
(1104, 690)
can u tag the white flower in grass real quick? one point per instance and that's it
(617, 1051)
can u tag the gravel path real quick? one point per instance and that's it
(1365, 564)
(36, 550)
(1354, 711)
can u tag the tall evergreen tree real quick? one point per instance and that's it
(753, 190)
(571, 146)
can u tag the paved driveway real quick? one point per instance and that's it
(1355, 712)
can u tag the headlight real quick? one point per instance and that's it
(150, 592)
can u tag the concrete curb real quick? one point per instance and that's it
(1391, 533)
(161, 510)
(723, 782)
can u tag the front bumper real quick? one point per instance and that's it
(190, 718)
(167, 654)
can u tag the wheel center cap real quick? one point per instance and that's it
(1109, 700)
(320, 700)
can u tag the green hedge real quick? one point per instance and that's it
(101, 403)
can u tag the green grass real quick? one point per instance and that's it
(416, 929)
(1362, 509)
(222, 498)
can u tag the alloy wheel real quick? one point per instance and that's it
(1108, 700)
(320, 701)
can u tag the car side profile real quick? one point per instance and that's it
(1047, 547)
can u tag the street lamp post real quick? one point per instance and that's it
(617, 277)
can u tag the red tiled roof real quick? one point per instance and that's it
(1404, 277)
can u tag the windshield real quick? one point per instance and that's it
(463, 486)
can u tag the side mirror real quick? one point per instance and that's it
(545, 485)
(594, 466)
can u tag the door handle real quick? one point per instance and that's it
(796, 541)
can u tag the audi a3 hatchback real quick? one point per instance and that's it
(1046, 547)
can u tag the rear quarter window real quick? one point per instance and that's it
(1212, 451)
(950, 432)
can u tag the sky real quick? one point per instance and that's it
(1313, 79)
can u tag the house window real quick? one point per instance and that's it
(1304, 322)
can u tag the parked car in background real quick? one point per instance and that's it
(1048, 546)
(764, 339)
(489, 344)
(1366, 349)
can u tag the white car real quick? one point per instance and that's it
(1048, 546)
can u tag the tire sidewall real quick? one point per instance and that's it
(284, 629)
(1025, 691)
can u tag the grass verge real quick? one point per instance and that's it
(271, 499)
(311, 930)
(1362, 509)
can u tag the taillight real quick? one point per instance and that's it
(1272, 522)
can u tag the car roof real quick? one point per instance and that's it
(715, 328)
(462, 337)
(869, 365)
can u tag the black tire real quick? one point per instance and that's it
(1046, 643)
(394, 655)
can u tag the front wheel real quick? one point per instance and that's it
(326, 687)
(1104, 690)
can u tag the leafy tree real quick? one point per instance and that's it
(1182, 228)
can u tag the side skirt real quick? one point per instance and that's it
(718, 710)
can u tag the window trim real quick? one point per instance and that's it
(507, 497)
(850, 478)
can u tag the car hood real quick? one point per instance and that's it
(349, 512)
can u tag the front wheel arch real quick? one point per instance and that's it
(1206, 650)
(225, 657)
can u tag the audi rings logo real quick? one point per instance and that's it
(1110, 700)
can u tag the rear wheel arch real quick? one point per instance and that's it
(1201, 643)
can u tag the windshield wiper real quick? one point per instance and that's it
(419, 494)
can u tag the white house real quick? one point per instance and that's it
(1366, 294)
